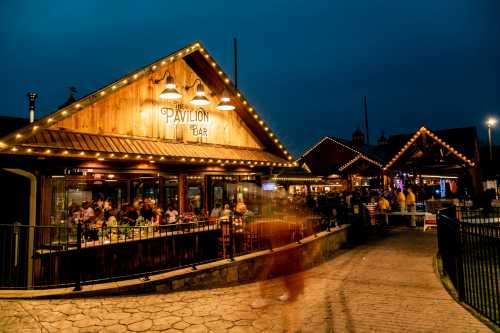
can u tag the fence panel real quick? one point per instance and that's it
(469, 247)
(67, 255)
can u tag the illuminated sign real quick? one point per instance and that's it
(195, 118)
(182, 115)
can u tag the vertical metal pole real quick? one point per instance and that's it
(78, 286)
(235, 51)
(231, 239)
(490, 144)
(366, 120)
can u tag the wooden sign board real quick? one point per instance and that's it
(136, 110)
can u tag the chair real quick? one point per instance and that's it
(224, 240)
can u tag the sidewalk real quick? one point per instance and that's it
(387, 285)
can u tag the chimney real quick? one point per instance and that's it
(32, 97)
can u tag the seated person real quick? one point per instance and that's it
(171, 215)
(132, 215)
(216, 211)
(241, 208)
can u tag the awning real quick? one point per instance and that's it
(73, 143)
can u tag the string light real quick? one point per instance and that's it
(186, 51)
(421, 131)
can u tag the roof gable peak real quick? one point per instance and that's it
(269, 138)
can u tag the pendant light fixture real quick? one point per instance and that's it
(199, 99)
(225, 103)
(170, 91)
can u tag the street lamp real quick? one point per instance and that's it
(490, 122)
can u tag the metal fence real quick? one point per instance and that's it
(62, 255)
(469, 247)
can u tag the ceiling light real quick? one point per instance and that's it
(225, 103)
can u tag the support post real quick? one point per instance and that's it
(78, 286)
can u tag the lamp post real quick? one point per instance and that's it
(490, 122)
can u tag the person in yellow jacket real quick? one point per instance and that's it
(411, 202)
(384, 206)
(401, 200)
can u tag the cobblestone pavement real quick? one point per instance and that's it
(384, 286)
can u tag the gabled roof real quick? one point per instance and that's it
(202, 63)
(323, 158)
(463, 139)
(357, 158)
(364, 151)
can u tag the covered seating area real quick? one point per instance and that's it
(416, 173)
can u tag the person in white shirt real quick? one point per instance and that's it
(216, 211)
(171, 215)
(88, 213)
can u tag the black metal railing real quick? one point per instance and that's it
(72, 255)
(469, 247)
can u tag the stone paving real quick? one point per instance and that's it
(386, 285)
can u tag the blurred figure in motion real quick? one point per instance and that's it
(288, 268)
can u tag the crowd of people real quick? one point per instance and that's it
(334, 203)
(106, 213)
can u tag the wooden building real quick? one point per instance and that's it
(177, 131)
(423, 157)
(335, 159)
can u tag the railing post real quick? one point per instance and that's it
(458, 260)
(78, 286)
(231, 239)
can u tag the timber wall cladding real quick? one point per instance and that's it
(134, 110)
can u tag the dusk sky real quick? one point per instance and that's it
(304, 65)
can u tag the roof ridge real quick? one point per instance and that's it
(45, 122)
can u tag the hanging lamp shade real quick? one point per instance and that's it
(225, 103)
(200, 98)
(170, 91)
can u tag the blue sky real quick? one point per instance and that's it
(304, 65)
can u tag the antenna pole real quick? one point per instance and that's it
(366, 121)
(235, 52)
